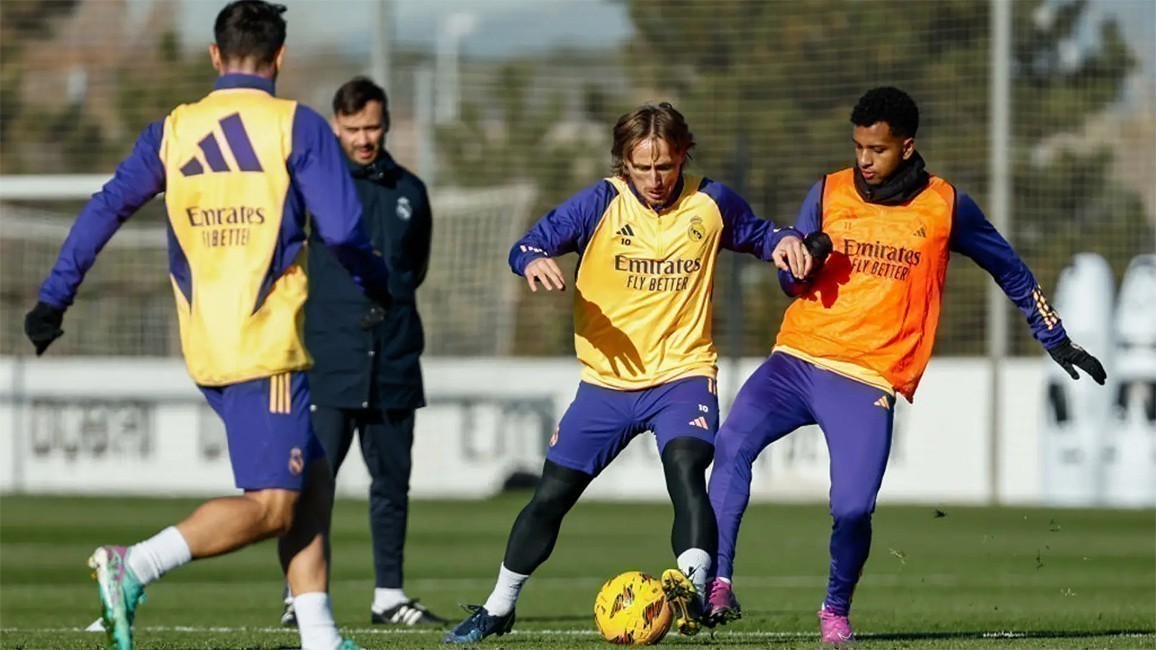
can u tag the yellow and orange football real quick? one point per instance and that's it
(631, 609)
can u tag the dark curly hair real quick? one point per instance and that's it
(890, 105)
(660, 121)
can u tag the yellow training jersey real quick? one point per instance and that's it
(643, 293)
(239, 170)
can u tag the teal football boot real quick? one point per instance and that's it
(120, 593)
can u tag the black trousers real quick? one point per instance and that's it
(387, 447)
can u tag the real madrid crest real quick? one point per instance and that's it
(404, 210)
(696, 231)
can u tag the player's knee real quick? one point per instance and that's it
(548, 505)
(557, 492)
(278, 508)
(389, 490)
(319, 478)
(686, 459)
(852, 514)
(732, 452)
(726, 443)
(279, 518)
(729, 435)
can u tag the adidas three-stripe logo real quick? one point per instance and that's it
(922, 232)
(625, 231)
(883, 402)
(406, 614)
(699, 422)
(237, 142)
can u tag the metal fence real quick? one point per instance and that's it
(766, 86)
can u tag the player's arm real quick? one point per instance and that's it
(745, 232)
(419, 238)
(317, 168)
(565, 229)
(974, 236)
(810, 225)
(138, 178)
(410, 238)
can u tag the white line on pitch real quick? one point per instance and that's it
(531, 632)
(818, 580)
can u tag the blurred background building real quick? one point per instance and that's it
(506, 107)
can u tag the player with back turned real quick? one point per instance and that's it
(861, 331)
(239, 169)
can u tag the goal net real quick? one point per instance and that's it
(125, 306)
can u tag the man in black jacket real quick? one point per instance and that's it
(366, 376)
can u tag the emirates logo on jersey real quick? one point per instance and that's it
(883, 260)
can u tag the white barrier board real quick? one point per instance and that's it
(133, 426)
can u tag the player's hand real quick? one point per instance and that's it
(546, 271)
(1071, 356)
(42, 326)
(792, 255)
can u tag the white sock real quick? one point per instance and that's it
(158, 555)
(315, 622)
(505, 594)
(384, 599)
(695, 563)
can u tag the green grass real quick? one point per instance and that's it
(1047, 578)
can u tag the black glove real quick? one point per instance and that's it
(1070, 356)
(42, 326)
(819, 246)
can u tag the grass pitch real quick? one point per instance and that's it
(950, 577)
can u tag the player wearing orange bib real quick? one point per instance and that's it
(862, 330)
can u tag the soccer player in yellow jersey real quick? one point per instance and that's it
(239, 170)
(648, 239)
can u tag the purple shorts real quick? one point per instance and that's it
(601, 421)
(268, 427)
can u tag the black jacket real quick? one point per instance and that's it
(378, 368)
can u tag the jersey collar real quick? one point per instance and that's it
(241, 80)
(377, 171)
(900, 188)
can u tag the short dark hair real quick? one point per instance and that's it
(250, 29)
(890, 105)
(354, 94)
(661, 121)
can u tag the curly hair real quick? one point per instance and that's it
(649, 121)
(890, 105)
